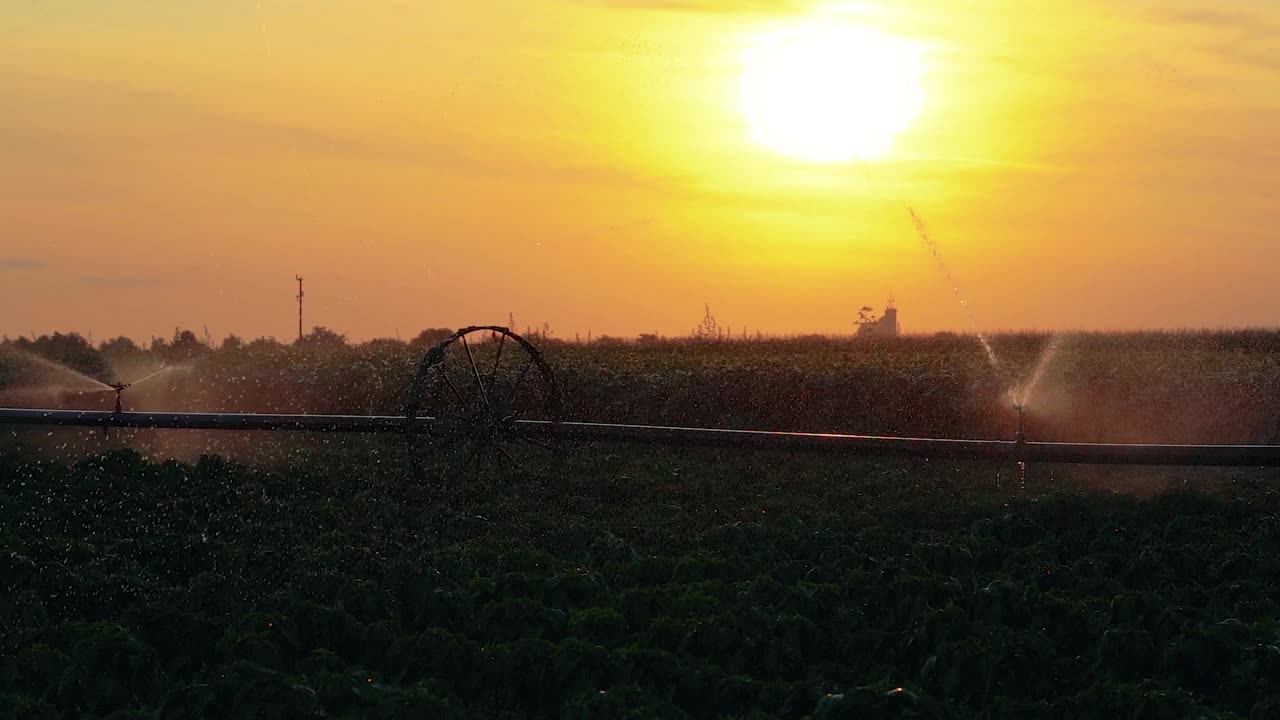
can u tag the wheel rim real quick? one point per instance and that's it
(479, 383)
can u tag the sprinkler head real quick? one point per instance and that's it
(119, 388)
(1022, 435)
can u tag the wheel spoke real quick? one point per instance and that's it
(536, 441)
(475, 371)
(515, 464)
(449, 382)
(497, 358)
(511, 402)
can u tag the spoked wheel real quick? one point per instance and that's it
(478, 385)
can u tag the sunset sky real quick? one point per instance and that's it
(589, 164)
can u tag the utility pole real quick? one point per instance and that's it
(299, 278)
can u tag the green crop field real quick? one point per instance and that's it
(151, 574)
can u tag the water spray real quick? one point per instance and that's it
(157, 373)
(931, 245)
(73, 374)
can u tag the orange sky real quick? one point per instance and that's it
(1081, 164)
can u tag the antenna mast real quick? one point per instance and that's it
(299, 279)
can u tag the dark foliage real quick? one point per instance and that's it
(658, 585)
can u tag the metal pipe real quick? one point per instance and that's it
(1015, 451)
(1043, 452)
(222, 421)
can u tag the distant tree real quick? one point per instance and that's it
(381, 345)
(263, 344)
(866, 316)
(120, 348)
(648, 339)
(185, 345)
(322, 338)
(708, 329)
(429, 337)
(232, 342)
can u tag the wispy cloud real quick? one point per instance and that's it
(20, 263)
(1246, 34)
(703, 6)
(188, 120)
(1183, 14)
(745, 8)
(121, 280)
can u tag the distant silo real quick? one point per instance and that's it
(885, 327)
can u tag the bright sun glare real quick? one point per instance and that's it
(830, 91)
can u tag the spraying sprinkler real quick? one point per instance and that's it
(119, 388)
(1021, 437)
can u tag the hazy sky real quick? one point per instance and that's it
(1080, 163)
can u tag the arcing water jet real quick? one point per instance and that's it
(1021, 395)
(67, 372)
(931, 245)
(161, 371)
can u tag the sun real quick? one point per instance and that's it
(830, 91)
